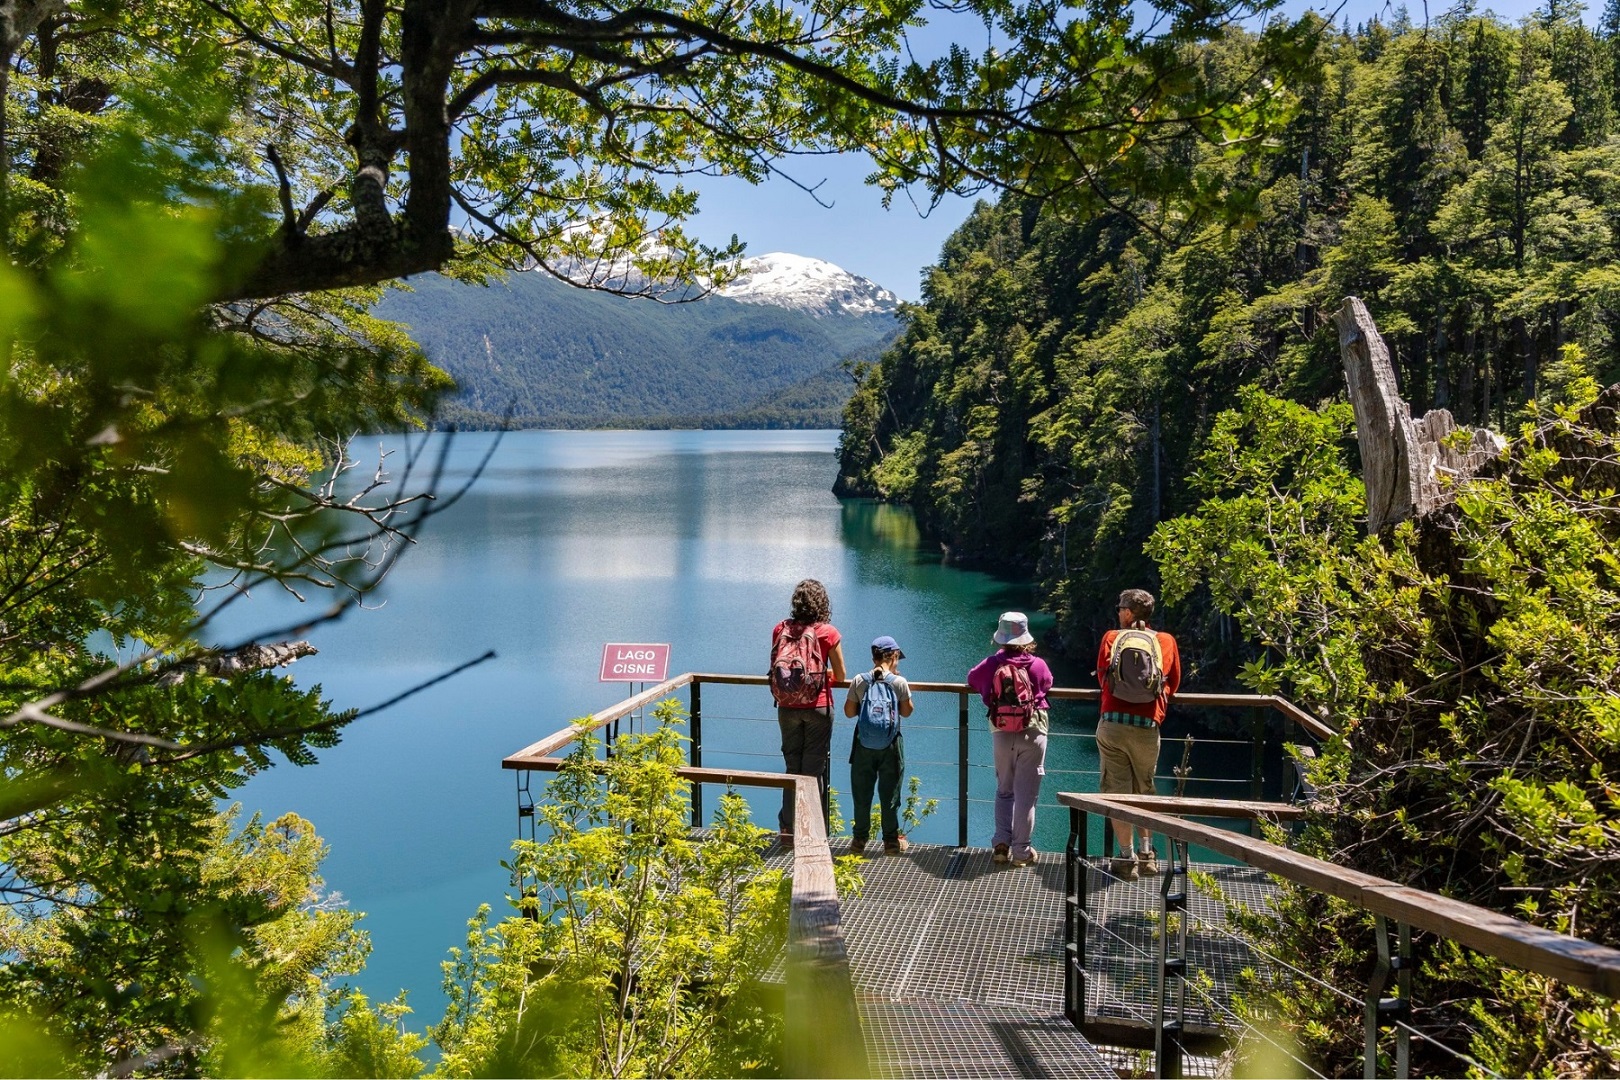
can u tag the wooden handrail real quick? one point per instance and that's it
(819, 983)
(1287, 708)
(820, 990)
(1568, 959)
(1218, 808)
(534, 752)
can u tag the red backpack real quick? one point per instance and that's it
(798, 670)
(1012, 697)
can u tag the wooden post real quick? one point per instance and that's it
(822, 1028)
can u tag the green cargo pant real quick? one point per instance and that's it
(883, 768)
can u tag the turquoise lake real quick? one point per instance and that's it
(572, 539)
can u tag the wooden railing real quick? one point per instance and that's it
(818, 980)
(1258, 704)
(1568, 959)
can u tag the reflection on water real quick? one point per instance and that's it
(574, 539)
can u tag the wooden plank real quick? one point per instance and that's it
(1322, 876)
(1074, 693)
(739, 777)
(559, 739)
(1304, 719)
(731, 680)
(732, 777)
(1080, 693)
(1221, 808)
(822, 1035)
(1569, 959)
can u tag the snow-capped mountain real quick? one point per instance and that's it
(809, 285)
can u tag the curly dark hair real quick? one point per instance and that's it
(810, 603)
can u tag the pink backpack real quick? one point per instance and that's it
(798, 671)
(1012, 697)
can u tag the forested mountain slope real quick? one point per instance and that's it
(1047, 401)
(542, 353)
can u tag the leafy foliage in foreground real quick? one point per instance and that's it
(642, 950)
(1472, 663)
(147, 440)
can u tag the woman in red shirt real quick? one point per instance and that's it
(807, 729)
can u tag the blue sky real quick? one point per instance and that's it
(892, 246)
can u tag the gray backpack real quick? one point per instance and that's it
(1136, 666)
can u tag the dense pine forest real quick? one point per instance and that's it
(1051, 396)
(1121, 401)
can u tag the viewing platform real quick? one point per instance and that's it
(950, 965)
(958, 962)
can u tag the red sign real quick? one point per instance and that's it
(634, 663)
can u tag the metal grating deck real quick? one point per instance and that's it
(1122, 940)
(924, 1040)
(958, 961)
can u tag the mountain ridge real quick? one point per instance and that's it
(804, 283)
(531, 351)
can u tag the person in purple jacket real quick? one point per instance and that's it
(1013, 682)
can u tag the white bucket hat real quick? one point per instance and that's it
(1013, 629)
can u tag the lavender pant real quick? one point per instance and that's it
(1020, 764)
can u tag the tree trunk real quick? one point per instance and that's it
(1403, 460)
(1527, 352)
(1442, 378)
(1466, 400)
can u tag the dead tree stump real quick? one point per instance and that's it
(1409, 466)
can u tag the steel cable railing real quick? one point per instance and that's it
(1338, 992)
(971, 734)
(1398, 912)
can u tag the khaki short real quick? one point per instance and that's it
(1129, 757)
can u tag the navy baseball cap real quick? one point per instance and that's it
(886, 643)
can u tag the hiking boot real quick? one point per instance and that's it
(857, 846)
(1001, 854)
(785, 839)
(1147, 863)
(1032, 857)
(896, 847)
(1123, 867)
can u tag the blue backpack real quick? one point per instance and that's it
(879, 719)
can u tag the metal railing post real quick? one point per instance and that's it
(1168, 1052)
(695, 752)
(1257, 763)
(962, 771)
(1076, 901)
(1393, 959)
(528, 896)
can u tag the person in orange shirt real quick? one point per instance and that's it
(1140, 671)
